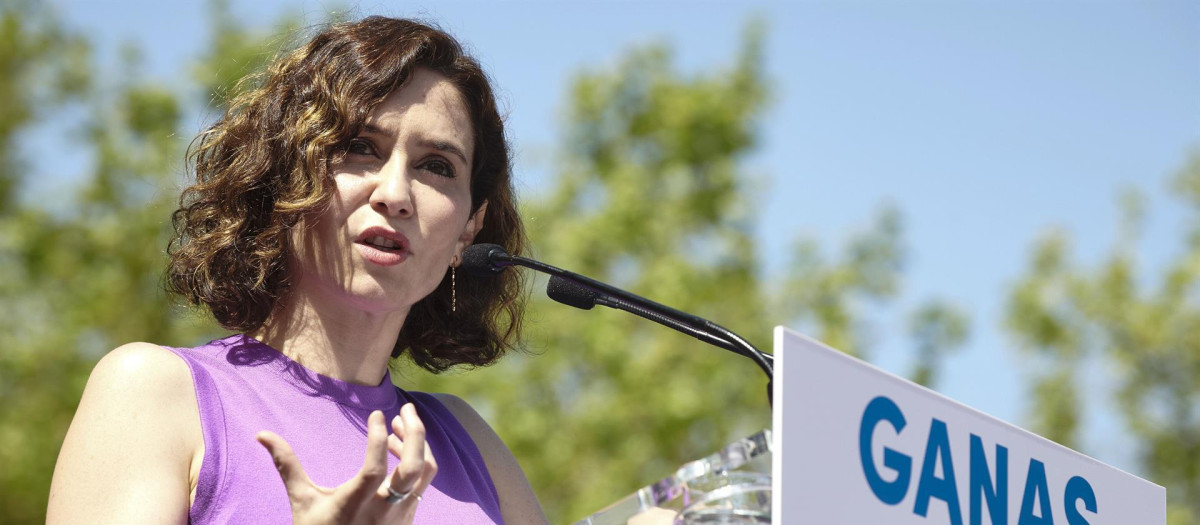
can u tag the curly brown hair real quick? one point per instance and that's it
(262, 170)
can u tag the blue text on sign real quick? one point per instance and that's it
(985, 487)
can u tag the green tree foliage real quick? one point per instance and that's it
(39, 70)
(937, 328)
(828, 297)
(80, 274)
(239, 52)
(41, 67)
(1146, 329)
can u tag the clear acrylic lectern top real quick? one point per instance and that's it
(730, 486)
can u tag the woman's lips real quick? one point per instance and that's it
(380, 256)
(382, 246)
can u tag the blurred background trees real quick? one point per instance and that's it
(81, 256)
(1143, 326)
(650, 192)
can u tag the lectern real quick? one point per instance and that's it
(853, 444)
(735, 483)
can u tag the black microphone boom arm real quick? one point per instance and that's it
(584, 292)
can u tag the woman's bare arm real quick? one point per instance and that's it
(518, 503)
(133, 450)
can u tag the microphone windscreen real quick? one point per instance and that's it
(477, 259)
(571, 293)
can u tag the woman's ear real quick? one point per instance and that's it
(474, 224)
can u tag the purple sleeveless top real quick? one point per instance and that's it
(244, 386)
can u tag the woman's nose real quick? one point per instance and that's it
(392, 194)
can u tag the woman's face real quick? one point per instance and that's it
(401, 210)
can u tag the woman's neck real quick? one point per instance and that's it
(345, 344)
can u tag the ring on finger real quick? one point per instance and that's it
(394, 497)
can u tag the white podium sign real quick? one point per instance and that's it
(856, 445)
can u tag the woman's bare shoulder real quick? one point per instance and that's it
(518, 503)
(136, 373)
(133, 439)
(140, 365)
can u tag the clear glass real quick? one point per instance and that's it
(727, 498)
(705, 484)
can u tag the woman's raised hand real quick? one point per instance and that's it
(374, 495)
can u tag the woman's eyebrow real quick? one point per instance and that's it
(445, 146)
(372, 129)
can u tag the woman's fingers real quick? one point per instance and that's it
(412, 457)
(395, 446)
(295, 480)
(374, 470)
(375, 462)
(375, 494)
(417, 467)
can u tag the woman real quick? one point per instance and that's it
(331, 205)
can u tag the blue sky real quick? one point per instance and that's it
(985, 123)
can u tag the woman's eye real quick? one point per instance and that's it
(439, 167)
(360, 147)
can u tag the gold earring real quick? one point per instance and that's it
(453, 286)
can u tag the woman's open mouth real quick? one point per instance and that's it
(382, 246)
(383, 243)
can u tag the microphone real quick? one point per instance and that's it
(571, 293)
(583, 292)
(485, 259)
